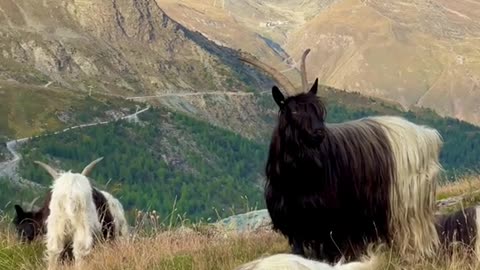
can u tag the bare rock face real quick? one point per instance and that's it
(251, 221)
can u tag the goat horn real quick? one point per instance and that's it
(32, 203)
(303, 71)
(279, 77)
(49, 169)
(88, 169)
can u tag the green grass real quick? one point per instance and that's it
(13, 254)
(20, 256)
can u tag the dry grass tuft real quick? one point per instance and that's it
(189, 249)
(463, 186)
(458, 195)
(176, 249)
(186, 250)
(155, 245)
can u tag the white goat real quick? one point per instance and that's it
(286, 261)
(73, 215)
(118, 214)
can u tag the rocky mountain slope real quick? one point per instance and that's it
(120, 47)
(221, 26)
(259, 27)
(116, 48)
(417, 53)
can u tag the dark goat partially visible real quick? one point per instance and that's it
(29, 224)
(460, 229)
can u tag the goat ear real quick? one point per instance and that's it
(314, 89)
(19, 210)
(278, 96)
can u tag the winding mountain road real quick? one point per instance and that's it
(187, 94)
(211, 93)
(8, 168)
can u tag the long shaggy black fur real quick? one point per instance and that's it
(327, 186)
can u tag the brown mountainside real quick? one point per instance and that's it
(417, 53)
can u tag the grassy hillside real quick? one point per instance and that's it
(29, 110)
(206, 247)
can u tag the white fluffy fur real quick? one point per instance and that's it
(294, 262)
(416, 151)
(73, 217)
(477, 239)
(118, 214)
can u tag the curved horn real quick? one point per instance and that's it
(279, 77)
(32, 203)
(303, 71)
(49, 169)
(88, 169)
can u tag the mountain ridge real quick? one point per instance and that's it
(416, 53)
